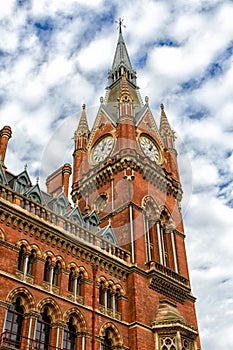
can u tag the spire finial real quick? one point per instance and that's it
(84, 106)
(120, 24)
(162, 110)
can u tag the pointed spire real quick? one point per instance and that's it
(125, 95)
(121, 54)
(82, 132)
(165, 129)
(164, 124)
(83, 128)
(122, 70)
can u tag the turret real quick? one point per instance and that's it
(126, 117)
(168, 137)
(121, 67)
(80, 142)
(82, 132)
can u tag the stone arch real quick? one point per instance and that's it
(61, 260)
(37, 249)
(81, 322)
(166, 216)
(48, 253)
(21, 242)
(83, 271)
(115, 336)
(2, 235)
(28, 302)
(78, 269)
(102, 279)
(72, 264)
(150, 207)
(54, 309)
(121, 289)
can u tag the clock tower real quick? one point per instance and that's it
(126, 170)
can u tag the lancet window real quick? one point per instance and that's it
(26, 260)
(107, 341)
(70, 335)
(159, 236)
(43, 330)
(21, 258)
(75, 283)
(14, 324)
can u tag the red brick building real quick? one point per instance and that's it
(109, 271)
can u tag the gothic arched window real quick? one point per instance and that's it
(43, 330)
(60, 207)
(117, 298)
(57, 274)
(14, 324)
(71, 280)
(47, 269)
(21, 258)
(70, 335)
(107, 342)
(31, 262)
(80, 283)
(109, 298)
(101, 202)
(101, 294)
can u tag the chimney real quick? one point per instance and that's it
(5, 135)
(66, 172)
(58, 181)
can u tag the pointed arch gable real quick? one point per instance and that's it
(50, 254)
(55, 311)
(150, 207)
(59, 204)
(117, 338)
(37, 249)
(146, 117)
(25, 294)
(22, 182)
(92, 218)
(103, 117)
(21, 242)
(166, 215)
(75, 216)
(102, 279)
(108, 234)
(34, 193)
(80, 318)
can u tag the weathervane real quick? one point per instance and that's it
(120, 24)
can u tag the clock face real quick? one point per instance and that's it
(102, 149)
(149, 148)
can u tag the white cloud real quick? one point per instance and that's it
(46, 75)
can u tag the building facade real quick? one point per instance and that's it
(110, 270)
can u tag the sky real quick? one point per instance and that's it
(54, 56)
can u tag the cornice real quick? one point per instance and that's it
(166, 281)
(57, 238)
(127, 158)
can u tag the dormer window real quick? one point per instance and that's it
(21, 185)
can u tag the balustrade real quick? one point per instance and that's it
(61, 222)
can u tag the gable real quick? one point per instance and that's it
(108, 234)
(22, 182)
(34, 193)
(146, 123)
(104, 123)
(75, 216)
